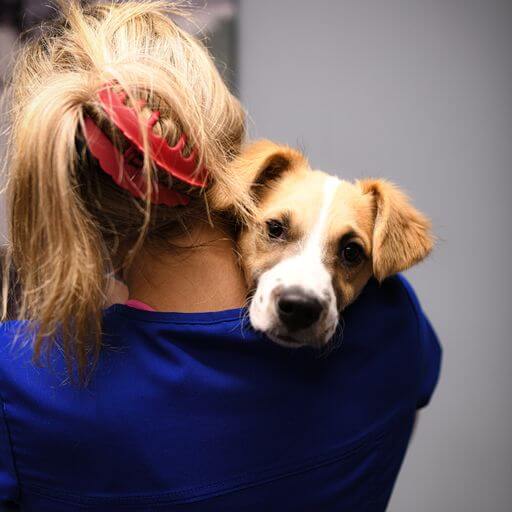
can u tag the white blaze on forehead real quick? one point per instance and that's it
(315, 242)
(306, 270)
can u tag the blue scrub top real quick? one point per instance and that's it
(196, 412)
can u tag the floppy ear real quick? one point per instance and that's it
(401, 235)
(264, 162)
(256, 167)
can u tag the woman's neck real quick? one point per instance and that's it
(201, 274)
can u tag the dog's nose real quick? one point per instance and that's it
(297, 309)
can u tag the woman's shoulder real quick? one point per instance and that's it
(400, 287)
(396, 289)
(384, 302)
(389, 317)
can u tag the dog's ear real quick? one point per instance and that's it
(255, 168)
(401, 234)
(264, 161)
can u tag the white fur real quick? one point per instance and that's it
(307, 270)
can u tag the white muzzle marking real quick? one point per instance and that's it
(304, 271)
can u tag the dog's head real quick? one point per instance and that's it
(316, 240)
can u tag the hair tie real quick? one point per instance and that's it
(126, 168)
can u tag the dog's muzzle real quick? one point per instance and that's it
(294, 303)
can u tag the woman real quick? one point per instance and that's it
(171, 401)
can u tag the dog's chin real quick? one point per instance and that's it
(290, 341)
(286, 340)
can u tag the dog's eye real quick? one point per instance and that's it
(276, 230)
(352, 254)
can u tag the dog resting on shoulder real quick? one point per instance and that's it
(316, 240)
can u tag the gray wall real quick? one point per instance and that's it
(419, 92)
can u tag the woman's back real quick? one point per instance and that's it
(195, 411)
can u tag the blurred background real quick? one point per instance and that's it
(420, 92)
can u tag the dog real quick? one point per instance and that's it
(315, 241)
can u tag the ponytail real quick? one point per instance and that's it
(56, 246)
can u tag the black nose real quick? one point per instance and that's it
(298, 310)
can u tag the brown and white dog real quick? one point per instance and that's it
(316, 240)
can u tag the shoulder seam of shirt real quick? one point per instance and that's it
(181, 322)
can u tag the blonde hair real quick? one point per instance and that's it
(70, 225)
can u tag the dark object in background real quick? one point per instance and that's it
(24, 14)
